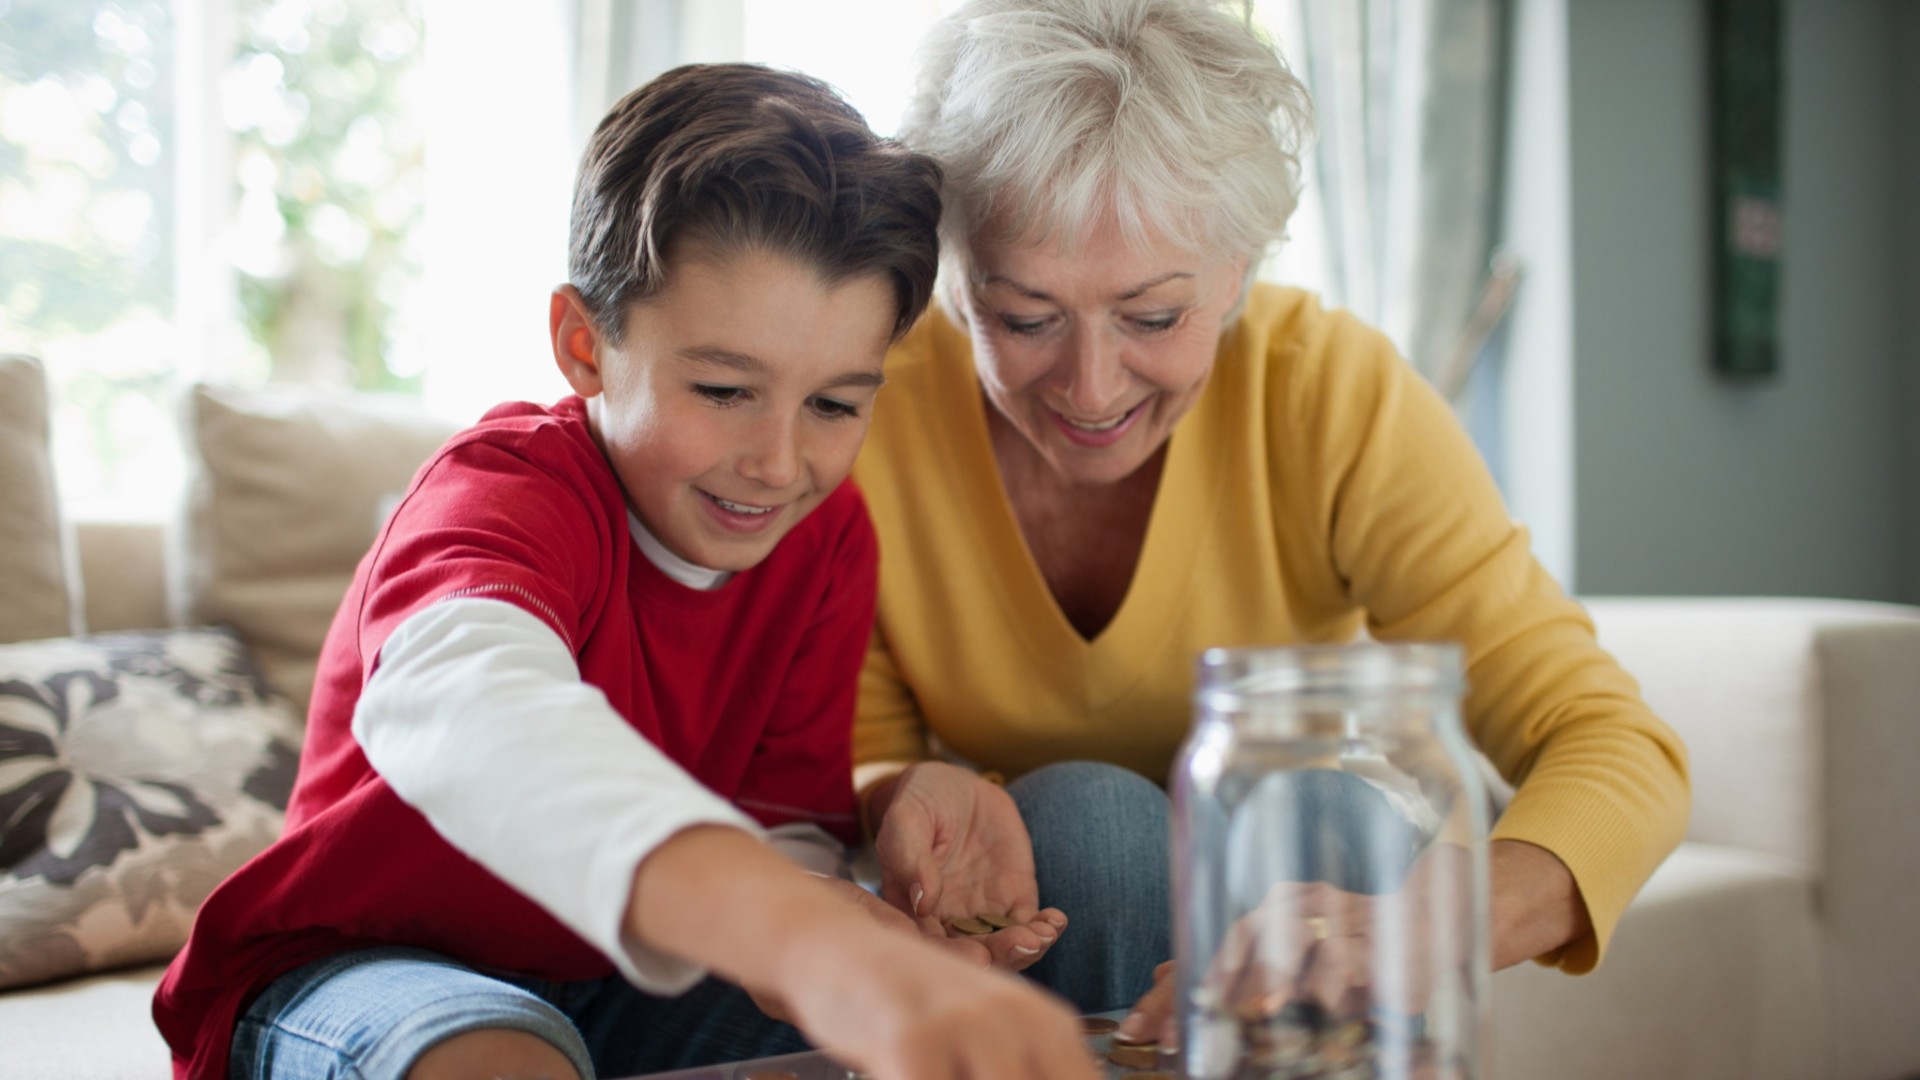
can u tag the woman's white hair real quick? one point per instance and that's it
(1176, 116)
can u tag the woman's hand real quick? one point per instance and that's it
(1343, 953)
(952, 846)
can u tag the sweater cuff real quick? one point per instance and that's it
(1604, 849)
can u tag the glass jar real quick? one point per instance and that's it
(1330, 868)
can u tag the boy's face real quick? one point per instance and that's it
(737, 399)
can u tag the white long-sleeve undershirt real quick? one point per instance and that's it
(476, 716)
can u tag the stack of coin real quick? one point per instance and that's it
(1302, 1042)
(980, 925)
(1137, 1054)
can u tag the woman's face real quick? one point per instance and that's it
(1093, 351)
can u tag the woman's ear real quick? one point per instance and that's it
(576, 341)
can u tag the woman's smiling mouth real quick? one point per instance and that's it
(1097, 433)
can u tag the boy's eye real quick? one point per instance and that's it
(835, 410)
(720, 395)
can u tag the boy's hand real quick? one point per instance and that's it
(899, 1007)
(973, 951)
(952, 846)
(884, 999)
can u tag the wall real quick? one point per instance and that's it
(1906, 41)
(1685, 482)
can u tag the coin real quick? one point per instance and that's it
(998, 922)
(1098, 1025)
(773, 1074)
(1153, 1074)
(1134, 1057)
(971, 927)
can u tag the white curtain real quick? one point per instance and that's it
(1409, 96)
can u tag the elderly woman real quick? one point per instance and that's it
(1110, 451)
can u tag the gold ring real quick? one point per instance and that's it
(1318, 924)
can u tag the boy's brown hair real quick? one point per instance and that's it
(741, 156)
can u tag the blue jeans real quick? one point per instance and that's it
(1101, 851)
(368, 1015)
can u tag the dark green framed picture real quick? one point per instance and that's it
(1746, 70)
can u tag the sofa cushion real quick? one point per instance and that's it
(289, 490)
(137, 771)
(96, 1028)
(33, 578)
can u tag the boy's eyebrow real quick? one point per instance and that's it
(1032, 293)
(753, 365)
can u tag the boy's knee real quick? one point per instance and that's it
(493, 1054)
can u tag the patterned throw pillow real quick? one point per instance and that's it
(137, 771)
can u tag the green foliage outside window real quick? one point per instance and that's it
(322, 98)
(318, 209)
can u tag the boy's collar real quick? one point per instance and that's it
(693, 577)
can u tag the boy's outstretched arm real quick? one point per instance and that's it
(476, 688)
(889, 1003)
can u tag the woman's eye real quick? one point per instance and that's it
(1157, 325)
(835, 410)
(720, 395)
(1023, 327)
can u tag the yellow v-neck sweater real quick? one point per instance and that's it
(1318, 486)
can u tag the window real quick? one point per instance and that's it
(227, 189)
(239, 190)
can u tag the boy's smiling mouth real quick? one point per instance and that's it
(732, 507)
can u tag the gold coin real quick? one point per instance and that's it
(773, 1074)
(971, 927)
(1098, 1025)
(998, 922)
(1133, 1057)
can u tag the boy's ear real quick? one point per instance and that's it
(576, 341)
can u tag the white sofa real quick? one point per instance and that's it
(1782, 940)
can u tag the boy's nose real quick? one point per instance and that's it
(773, 460)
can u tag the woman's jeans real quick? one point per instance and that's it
(1101, 850)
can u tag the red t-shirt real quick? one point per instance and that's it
(749, 687)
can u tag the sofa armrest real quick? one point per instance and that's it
(1802, 722)
(1870, 885)
(1744, 682)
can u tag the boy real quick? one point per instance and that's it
(591, 636)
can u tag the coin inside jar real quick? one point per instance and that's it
(1098, 1025)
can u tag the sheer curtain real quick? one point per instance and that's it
(1409, 96)
(1398, 221)
(515, 92)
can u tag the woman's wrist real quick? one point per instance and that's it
(873, 786)
(1536, 906)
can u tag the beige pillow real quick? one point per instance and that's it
(34, 601)
(137, 771)
(290, 488)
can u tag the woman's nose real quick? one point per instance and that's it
(1096, 378)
